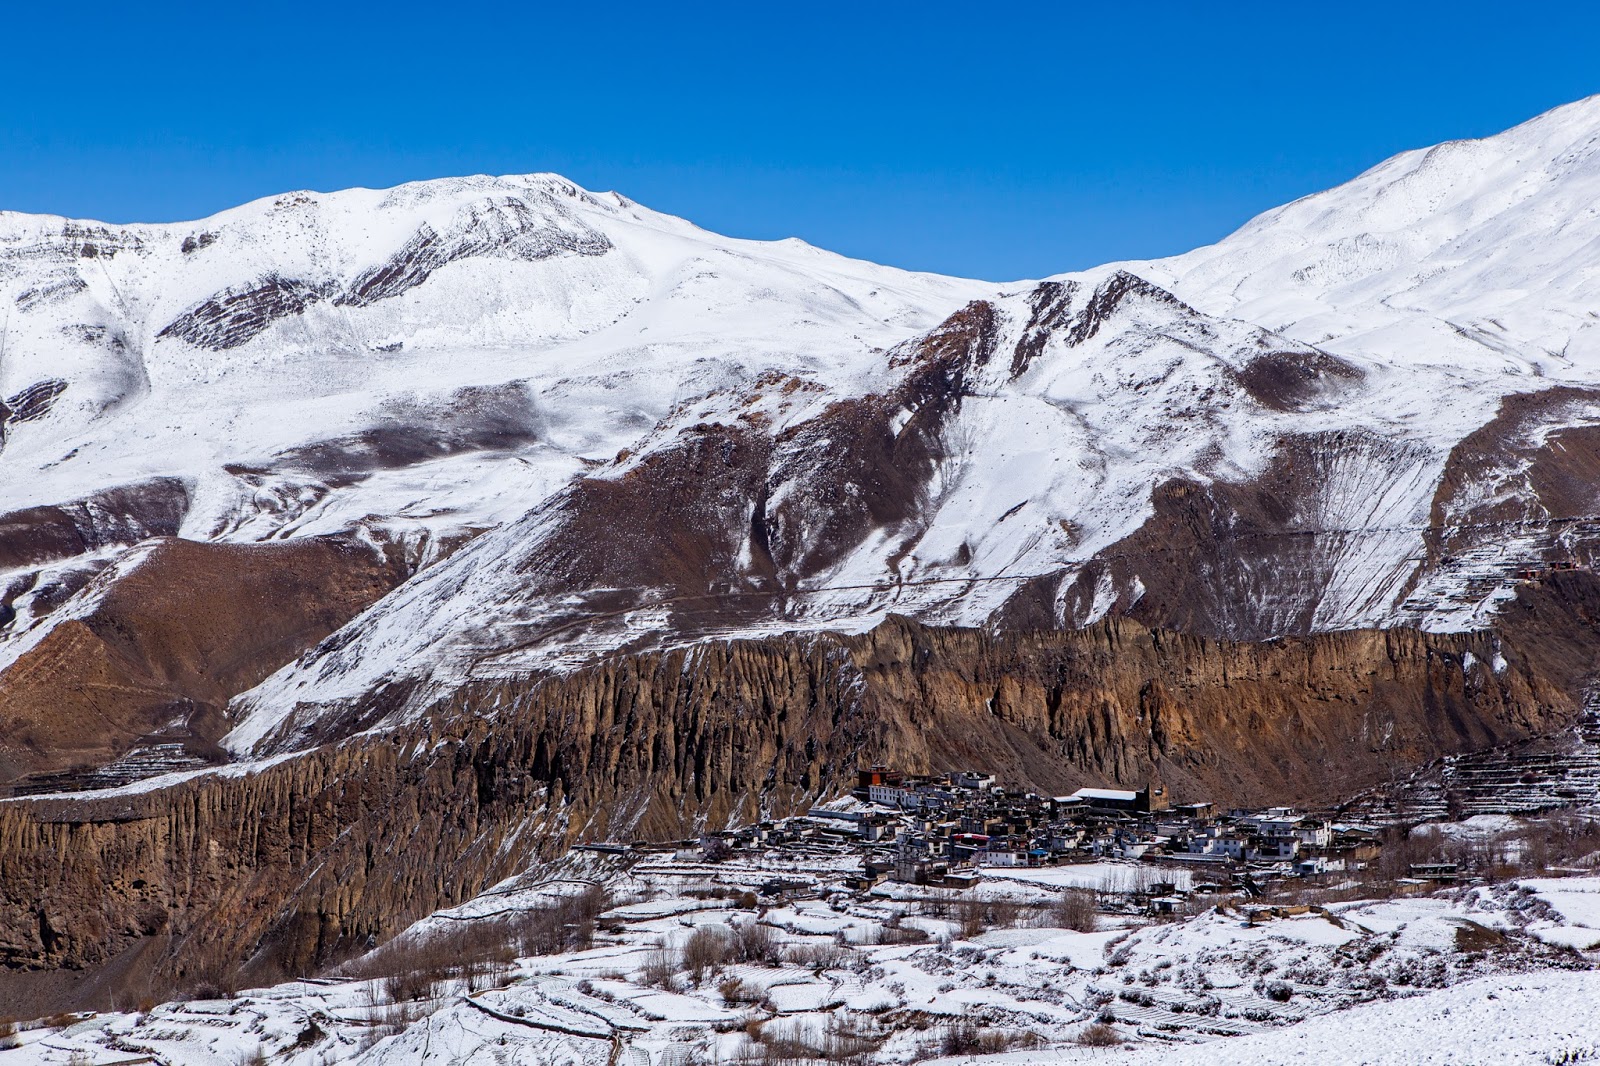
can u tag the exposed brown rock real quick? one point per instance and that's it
(1295, 381)
(1536, 465)
(506, 228)
(172, 641)
(290, 865)
(234, 316)
(1244, 560)
(719, 525)
(33, 402)
(123, 515)
(867, 473)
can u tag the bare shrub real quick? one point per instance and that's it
(1470, 937)
(757, 943)
(479, 953)
(819, 957)
(733, 990)
(978, 916)
(661, 965)
(794, 1044)
(1099, 1035)
(566, 925)
(481, 974)
(1077, 909)
(1566, 838)
(893, 932)
(387, 1020)
(965, 1036)
(710, 947)
(412, 985)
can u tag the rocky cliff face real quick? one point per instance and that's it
(291, 863)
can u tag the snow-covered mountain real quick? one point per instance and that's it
(1367, 408)
(276, 355)
(400, 370)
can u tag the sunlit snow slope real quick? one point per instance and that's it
(1369, 407)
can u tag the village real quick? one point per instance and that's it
(943, 830)
(918, 918)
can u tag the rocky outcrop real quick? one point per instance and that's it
(497, 227)
(113, 517)
(234, 316)
(1314, 540)
(171, 641)
(290, 864)
(504, 227)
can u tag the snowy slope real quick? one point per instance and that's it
(581, 316)
(1468, 256)
(415, 365)
(888, 974)
(1332, 359)
(673, 436)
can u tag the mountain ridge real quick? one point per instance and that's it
(578, 426)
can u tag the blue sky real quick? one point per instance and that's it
(992, 141)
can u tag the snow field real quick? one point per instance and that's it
(899, 975)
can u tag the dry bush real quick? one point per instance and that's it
(1566, 838)
(978, 916)
(1324, 891)
(412, 985)
(1470, 937)
(710, 947)
(757, 943)
(661, 965)
(480, 953)
(1077, 909)
(566, 925)
(892, 932)
(220, 985)
(966, 1036)
(1400, 847)
(390, 1019)
(1099, 1035)
(819, 957)
(733, 991)
(794, 1044)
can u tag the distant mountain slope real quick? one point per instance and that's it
(402, 369)
(1096, 444)
(1371, 407)
(1473, 256)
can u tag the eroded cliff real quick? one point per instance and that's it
(292, 863)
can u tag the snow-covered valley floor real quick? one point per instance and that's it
(664, 960)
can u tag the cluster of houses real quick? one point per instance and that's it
(936, 829)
